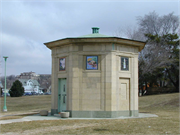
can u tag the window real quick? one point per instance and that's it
(64, 88)
(91, 62)
(64, 98)
(125, 63)
(62, 64)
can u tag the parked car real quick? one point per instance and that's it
(34, 93)
(27, 94)
(7, 94)
(41, 93)
(47, 93)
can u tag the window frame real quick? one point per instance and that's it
(65, 64)
(86, 57)
(127, 64)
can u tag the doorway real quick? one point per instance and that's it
(62, 98)
(124, 95)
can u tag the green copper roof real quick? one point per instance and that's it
(95, 33)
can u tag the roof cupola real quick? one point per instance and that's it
(95, 30)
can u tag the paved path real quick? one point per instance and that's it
(38, 117)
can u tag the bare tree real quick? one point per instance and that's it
(160, 34)
(44, 81)
(157, 51)
(159, 55)
(158, 25)
(130, 32)
(153, 56)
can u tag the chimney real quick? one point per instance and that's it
(95, 30)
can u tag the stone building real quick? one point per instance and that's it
(95, 76)
(28, 75)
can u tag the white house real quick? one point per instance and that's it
(1, 86)
(31, 85)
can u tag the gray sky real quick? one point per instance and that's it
(25, 25)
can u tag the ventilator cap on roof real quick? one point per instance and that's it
(95, 30)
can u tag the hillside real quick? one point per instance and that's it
(152, 103)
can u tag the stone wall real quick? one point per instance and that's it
(97, 90)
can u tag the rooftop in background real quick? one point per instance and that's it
(28, 75)
(24, 82)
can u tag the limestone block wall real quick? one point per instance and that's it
(97, 90)
(90, 92)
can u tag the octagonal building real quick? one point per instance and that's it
(95, 76)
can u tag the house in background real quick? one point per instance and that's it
(1, 86)
(3, 90)
(31, 85)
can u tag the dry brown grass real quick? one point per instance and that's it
(26, 104)
(165, 106)
(11, 117)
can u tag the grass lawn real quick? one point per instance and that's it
(166, 106)
(26, 104)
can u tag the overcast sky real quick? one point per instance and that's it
(25, 25)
